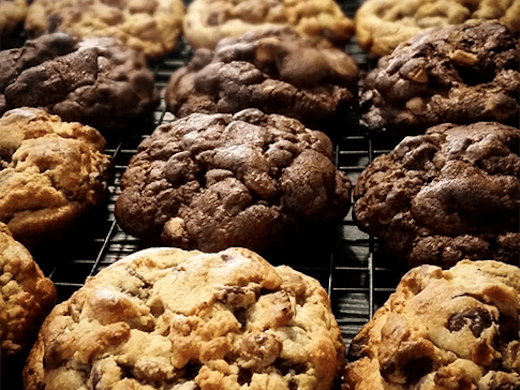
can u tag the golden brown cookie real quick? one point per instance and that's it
(26, 296)
(149, 26)
(381, 25)
(51, 172)
(208, 21)
(442, 330)
(12, 14)
(167, 318)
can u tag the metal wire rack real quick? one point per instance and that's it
(349, 263)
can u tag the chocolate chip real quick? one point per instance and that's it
(244, 377)
(355, 350)
(478, 319)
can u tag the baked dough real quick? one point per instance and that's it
(168, 318)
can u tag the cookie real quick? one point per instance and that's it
(51, 172)
(322, 21)
(168, 318)
(26, 296)
(212, 181)
(444, 196)
(442, 329)
(461, 74)
(12, 15)
(381, 25)
(94, 81)
(152, 27)
(274, 70)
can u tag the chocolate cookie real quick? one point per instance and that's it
(166, 318)
(12, 15)
(51, 172)
(462, 74)
(94, 81)
(444, 196)
(274, 70)
(322, 21)
(381, 25)
(442, 330)
(149, 26)
(26, 296)
(209, 182)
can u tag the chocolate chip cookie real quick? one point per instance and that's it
(442, 329)
(51, 172)
(26, 296)
(381, 25)
(276, 71)
(322, 21)
(168, 318)
(152, 27)
(94, 81)
(461, 74)
(211, 181)
(444, 196)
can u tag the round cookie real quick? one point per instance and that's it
(210, 182)
(461, 74)
(322, 21)
(274, 70)
(94, 81)
(381, 25)
(442, 330)
(166, 318)
(444, 196)
(149, 26)
(51, 172)
(26, 297)
(12, 14)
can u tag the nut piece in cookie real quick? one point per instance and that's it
(51, 172)
(323, 22)
(209, 182)
(169, 318)
(461, 74)
(442, 330)
(95, 81)
(444, 196)
(152, 27)
(274, 70)
(26, 296)
(381, 25)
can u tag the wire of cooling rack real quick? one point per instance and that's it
(351, 268)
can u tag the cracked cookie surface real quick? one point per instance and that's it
(322, 21)
(51, 172)
(461, 74)
(211, 181)
(442, 329)
(26, 296)
(274, 70)
(93, 81)
(444, 196)
(152, 27)
(168, 318)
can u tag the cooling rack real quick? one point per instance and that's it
(350, 264)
